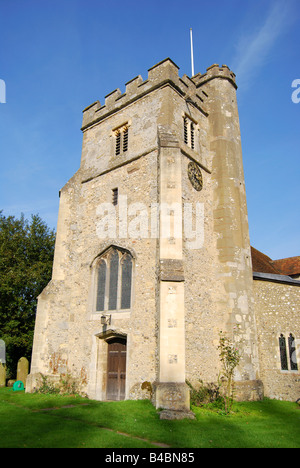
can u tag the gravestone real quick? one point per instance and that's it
(2, 352)
(2, 375)
(22, 369)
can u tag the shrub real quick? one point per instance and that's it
(46, 386)
(67, 385)
(203, 394)
(230, 358)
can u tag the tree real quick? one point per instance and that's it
(26, 256)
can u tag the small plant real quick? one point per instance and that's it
(204, 394)
(46, 386)
(66, 386)
(230, 358)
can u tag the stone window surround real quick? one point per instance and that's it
(286, 336)
(121, 138)
(190, 128)
(92, 313)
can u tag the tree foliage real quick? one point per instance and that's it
(26, 256)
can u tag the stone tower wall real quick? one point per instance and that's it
(169, 338)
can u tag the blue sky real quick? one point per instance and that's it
(59, 56)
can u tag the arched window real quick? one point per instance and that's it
(101, 285)
(126, 282)
(283, 355)
(114, 281)
(288, 359)
(292, 351)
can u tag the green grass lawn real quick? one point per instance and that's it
(50, 421)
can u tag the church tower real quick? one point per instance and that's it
(152, 256)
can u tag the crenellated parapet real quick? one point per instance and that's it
(215, 71)
(164, 73)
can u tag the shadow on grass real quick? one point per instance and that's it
(28, 421)
(50, 421)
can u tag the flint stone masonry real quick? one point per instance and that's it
(186, 286)
(277, 312)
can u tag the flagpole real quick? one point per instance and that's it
(192, 52)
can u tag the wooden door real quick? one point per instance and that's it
(116, 369)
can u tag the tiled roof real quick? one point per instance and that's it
(288, 266)
(264, 264)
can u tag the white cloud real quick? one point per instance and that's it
(254, 48)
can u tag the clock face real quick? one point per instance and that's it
(195, 176)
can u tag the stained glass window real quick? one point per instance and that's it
(292, 351)
(126, 282)
(113, 281)
(283, 354)
(101, 286)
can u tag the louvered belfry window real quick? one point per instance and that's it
(125, 139)
(118, 142)
(189, 132)
(192, 130)
(114, 281)
(121, 140)
(185, 131)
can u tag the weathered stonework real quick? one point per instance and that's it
(2, 375)
(22, 370)
(189, 280)
(277, 311)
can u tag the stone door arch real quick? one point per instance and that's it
(98, 381)
(116, 369)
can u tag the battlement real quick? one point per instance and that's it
(162, 74)
(215, 71)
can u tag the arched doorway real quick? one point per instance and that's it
(116, 369)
